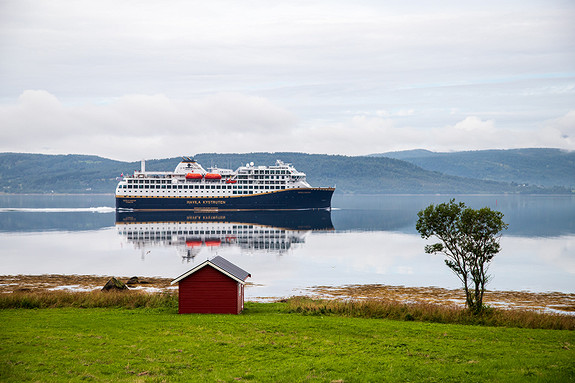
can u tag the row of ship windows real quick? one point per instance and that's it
(278, 235)
(265, 172)
(216, 193)
(210, 192)
(262, 182)
(235, 230)
(246, 176)
(168, 181)
(255, 244)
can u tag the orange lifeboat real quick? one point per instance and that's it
(213, 242)
(213, 176)
(193, 176)
(192, 243)
(230, 181)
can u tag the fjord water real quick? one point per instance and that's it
(365, 239)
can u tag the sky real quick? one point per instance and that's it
(143, 79)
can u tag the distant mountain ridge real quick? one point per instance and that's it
(38, 173)
(403, 154)
(532, 166)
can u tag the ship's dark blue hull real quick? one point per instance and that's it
(319, 219)
(291, 199)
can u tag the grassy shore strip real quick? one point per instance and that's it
(91, 299)
(427, 312)
(364, 308)
(267, 344)
(542, 301)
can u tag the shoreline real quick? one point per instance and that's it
(550, 302)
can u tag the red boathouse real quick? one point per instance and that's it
(215, 286)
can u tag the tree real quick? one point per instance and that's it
(469, 239)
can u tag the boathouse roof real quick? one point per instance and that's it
(220, 264)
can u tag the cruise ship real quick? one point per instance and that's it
(191, 187)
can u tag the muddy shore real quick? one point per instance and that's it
(549, 302)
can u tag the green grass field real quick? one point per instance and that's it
(267, 344)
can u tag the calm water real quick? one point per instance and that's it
(365, 239)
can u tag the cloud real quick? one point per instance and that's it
(471, 132)
(140, 126)
(156, 126)
(362, 135)
(562, 129)
(85, 48)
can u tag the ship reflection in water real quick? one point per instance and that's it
(190, 232)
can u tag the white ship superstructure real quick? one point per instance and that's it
(191, 179)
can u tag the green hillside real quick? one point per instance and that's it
(37, 173)
(537, 166)
(362, 174)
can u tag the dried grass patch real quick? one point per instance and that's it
(48, 282)
(522, 300)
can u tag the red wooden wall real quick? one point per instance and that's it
(209, 291)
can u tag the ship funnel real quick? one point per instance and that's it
(143, 166)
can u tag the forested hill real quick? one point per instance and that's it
(39, 173)
(36, 173)
(538, 166)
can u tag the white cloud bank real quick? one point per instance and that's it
(154, 126)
